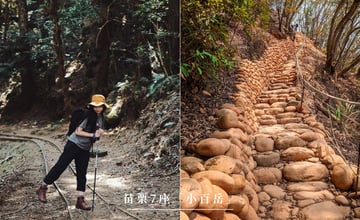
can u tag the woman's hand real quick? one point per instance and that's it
(99, 132)
(80, 132)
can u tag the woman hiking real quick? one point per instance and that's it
(77, 148)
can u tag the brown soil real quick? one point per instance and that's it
(344, 133)
(198, 105)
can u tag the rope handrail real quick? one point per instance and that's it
(305, 83)
(332, 108)
(308, 84)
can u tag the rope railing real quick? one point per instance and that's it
(307, 84)
(331, 135)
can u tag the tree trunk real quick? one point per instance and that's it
(337, 31)
(173, 26)
(294, 8)
(6, 15)
(28, 86)
(348, 41)
(280, 16)
(355, 62)
(102, 60)
(284, 14)
(60, 56)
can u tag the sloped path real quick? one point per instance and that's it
(291, 154)
(268, 157)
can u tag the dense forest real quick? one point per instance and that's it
(334, 26)
(55, 54)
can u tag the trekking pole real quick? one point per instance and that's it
(96, 161)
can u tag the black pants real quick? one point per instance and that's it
(71, 151)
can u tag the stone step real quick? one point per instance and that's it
(263, 96)
(267, 159)
(310, 186)
(267, 117)
(278, 86)
(276, 99)
(290, 126)
(287, 82)
(279, 104)
(267, 175)
(287, 96)
(290, 109)
(289, 120)
(263, 100)
(324, 210)
(297, 154)
(305, 171)
(287, 115)
(262, 106)
(267, 121)
(274, 111)
(287, 78)
(259, 112)
(277, 91)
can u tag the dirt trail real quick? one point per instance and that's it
(128, 185)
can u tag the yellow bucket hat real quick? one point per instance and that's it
(98, 100)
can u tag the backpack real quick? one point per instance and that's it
(77, 116)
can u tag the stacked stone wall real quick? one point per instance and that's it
(219, 183)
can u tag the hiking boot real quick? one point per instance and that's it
(41, 192)
(81, 204)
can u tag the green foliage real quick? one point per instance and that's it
(162, 83)
(347, 116)
(153, 17)
(40, 36)
(204, 61)
(337, 113)
(41, 39)
(72, 20)
(263, 12)
(205, 34)
(152, 10)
